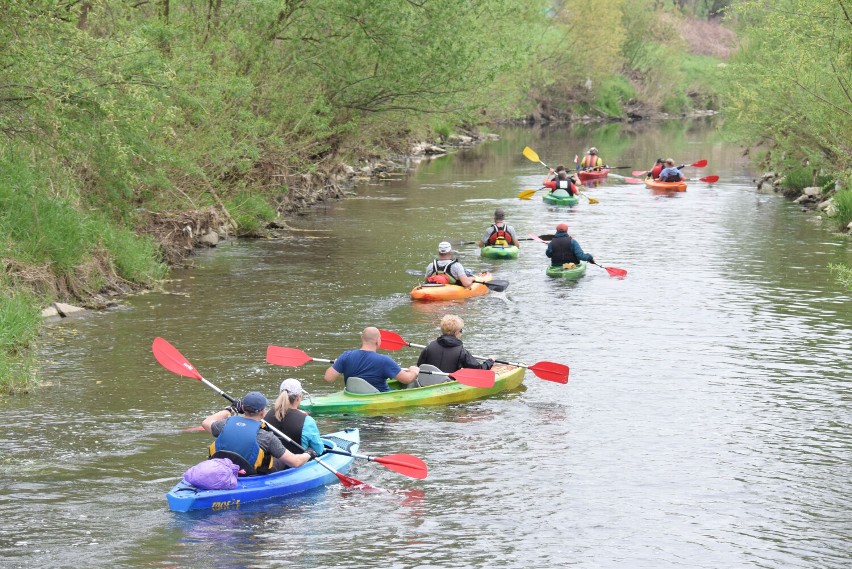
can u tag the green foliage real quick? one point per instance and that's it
(843, 203)
(251, 212)
(20, 319)
(615, 92)
(843, 274)
(788, 88)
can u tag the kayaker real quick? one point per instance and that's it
(447, 352)
(562, 182)
(564, 249)
(591, 161)
(500, 233)
(671, 173)
(654, 172)
(369, 365)
(286, 416)
(240, 432)
(551, 173)
(447, 270)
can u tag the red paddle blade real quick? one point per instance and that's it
(392, 341)
(616, 272)
(709, 179)
(474, 377)
(699, 164)
(171, 359)
(405, 464)
(634, 181)
(350, 482)
(292, 357)
(639, 172)
(551, 371)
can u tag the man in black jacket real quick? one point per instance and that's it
(447, 352)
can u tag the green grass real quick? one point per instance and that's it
(614, 93)
(20, 318)
(251, 212)
(843, 274)
(843, 202)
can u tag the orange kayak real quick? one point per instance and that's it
(669, 186)
(432, 292)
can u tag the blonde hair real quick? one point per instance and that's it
(450, 324)
(284, 403)
(669, 161)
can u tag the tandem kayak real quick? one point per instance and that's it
(400, 396)
(573, 273)
(432, 291)
(560, 197)
(668, 186)
(185, 497)
(499, 252)
(589, 175)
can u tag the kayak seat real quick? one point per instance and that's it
(236, 459)
(425, 379)
(359, 385)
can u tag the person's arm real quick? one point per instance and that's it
(331, 374)
(515, 242)
(421, 359)
(207, 424)
(550, 184)
(578, 251)
(467, 360)
(273, 445)
(465, 280)
(407, 375)
(311, 436)
(549, 250)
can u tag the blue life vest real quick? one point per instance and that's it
(239, 435)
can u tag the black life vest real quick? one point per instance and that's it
(291, 425)
(563, 251)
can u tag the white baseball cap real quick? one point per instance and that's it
(292, 386)
(445, 247)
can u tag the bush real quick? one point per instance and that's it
(843, 203)
(843, 274)
(20, 319)
(250, 212)
(614, 92)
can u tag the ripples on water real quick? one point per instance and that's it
(705, 424)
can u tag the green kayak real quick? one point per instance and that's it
(560, 197)
(400, 397)
(499, 252)
(570, 274)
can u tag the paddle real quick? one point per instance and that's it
(529, 193)
(709, 179)
(171, 359)
(477, 243)
(613, 271)
(550, 371)
(405, 464)
(292, 357)
(497, 285)
(532, 156)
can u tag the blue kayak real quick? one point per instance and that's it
(185, 497)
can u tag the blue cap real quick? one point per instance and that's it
(254, 402)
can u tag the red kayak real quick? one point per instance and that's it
(588, 175)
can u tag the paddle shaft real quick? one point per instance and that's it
(421, 346)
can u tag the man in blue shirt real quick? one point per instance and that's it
(369, 365)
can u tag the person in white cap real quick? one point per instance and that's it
(446, 270)
(286, 416)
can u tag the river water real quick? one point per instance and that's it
(705, 423)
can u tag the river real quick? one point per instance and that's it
(706, 422)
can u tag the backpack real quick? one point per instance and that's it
(441, 276)
(213, 474)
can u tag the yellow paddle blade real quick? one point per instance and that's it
(526, 194)
(531, 154)
(593, 200)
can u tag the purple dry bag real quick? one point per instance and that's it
(213, 474)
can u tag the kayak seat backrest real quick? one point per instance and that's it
(236, 459)
(359, 385)
(424, 379)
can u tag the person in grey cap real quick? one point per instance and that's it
(446, 270)
(500, 234)
(241, 436)
(286, 416)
